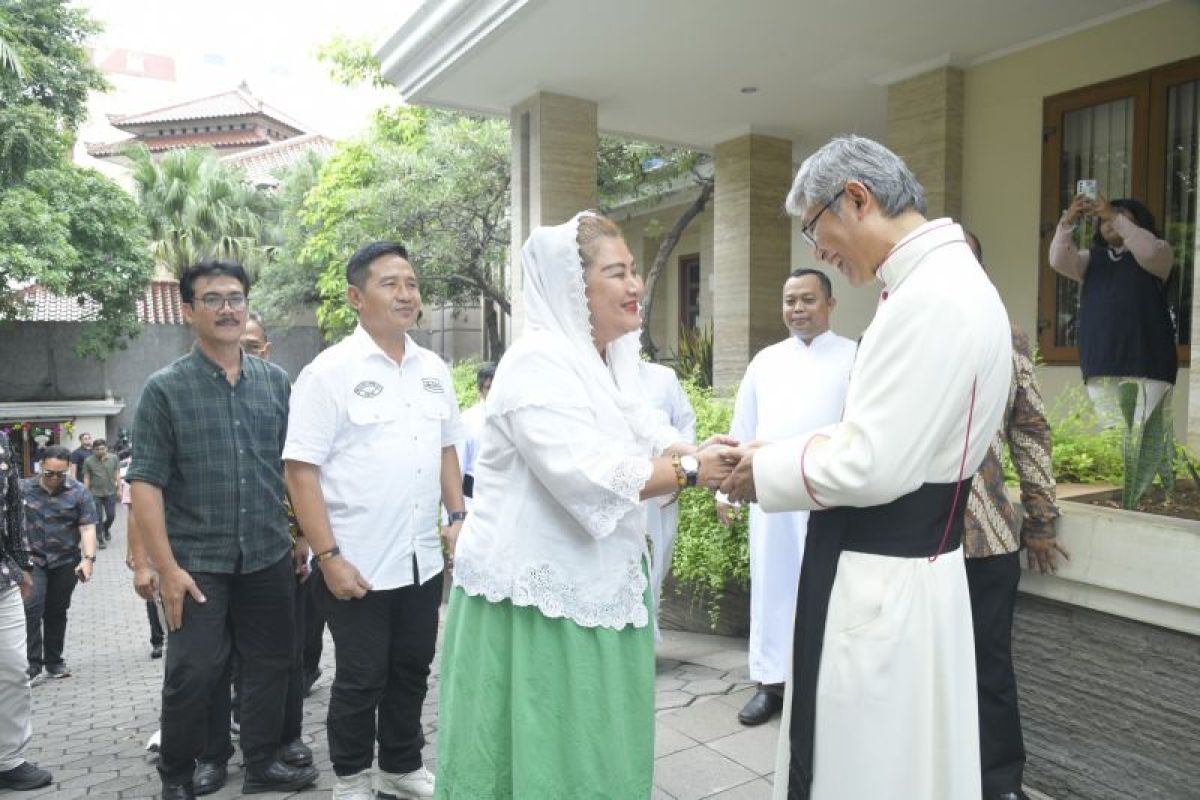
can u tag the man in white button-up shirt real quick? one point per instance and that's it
(370, 451)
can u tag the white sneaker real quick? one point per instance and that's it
(416, 785)
(354, 787)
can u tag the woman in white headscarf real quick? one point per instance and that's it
(547, 686)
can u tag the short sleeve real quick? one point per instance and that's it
(453, 432)
(312, 419)
(87, 509)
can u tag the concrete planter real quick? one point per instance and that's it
(1128, 563)
(685, 609)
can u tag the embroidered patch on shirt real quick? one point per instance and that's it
(368, 389)
(432, 385)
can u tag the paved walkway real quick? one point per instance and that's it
(90, 729)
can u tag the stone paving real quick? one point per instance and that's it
(90, 729)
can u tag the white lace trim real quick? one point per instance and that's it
(543, 586)
(624, 483)
(577, 308)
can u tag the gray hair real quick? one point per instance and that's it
(854, 158)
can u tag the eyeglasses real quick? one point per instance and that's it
(54, 473)
(253, 348)
(215, 302)
(810, 227)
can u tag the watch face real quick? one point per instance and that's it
(690, 463)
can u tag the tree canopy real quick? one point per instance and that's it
(67, 228)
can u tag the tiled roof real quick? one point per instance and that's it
(236, 103)
(262, 163)
(156, 144)
(158, 306)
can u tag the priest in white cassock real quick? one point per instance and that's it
(665, 395)
(789, 388)
(881, 702)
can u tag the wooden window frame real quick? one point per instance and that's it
(683, 267)
(1147, 179)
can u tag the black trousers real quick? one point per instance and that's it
(106, 508)
(310, 596)
(993, 586)
(227, 693)
(252, 614)
(383, 645)
(46, 614)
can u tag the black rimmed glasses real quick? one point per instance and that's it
(810, 227)
(215, 302)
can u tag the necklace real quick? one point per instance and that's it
(1114, 254)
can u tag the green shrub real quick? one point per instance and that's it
(465, 390)
(1083, 453)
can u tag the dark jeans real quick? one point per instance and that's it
(46, 614)
(993, 586)
(156, 628)
(249, 612)
(106, 508)
(384, 646)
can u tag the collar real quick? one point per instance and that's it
(908, 252)
(212, 368)
(366, 348)
(817, 340)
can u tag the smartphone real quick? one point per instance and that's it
(1086, 187)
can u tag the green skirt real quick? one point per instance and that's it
(534, 708)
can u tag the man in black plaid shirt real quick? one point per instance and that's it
(207, 482)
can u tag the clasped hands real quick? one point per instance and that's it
(728, 466)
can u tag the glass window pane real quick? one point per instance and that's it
(1179, 226)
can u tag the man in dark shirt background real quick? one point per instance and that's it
(80, 454)
(60, 526)
(101, 474)
(207, 484)
(16, 702)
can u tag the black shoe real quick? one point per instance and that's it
(58, 671)
(35, 676)
(761, 708)
(277, 777)
(208, 777)
(310, 679)
(183, 791)
(24, 776)
(103, 546)
(296, 754)
(156, 651)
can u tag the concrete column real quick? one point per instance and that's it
(752, 250)
(554, 142)
(925, 128)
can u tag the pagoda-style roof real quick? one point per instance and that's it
(263, 163)
(236, 103)
(232, 121)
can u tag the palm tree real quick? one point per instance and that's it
(198, 207)
(10, 59)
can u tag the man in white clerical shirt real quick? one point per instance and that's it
(881, 702)
(789, 388)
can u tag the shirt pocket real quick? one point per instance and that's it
(377, 410)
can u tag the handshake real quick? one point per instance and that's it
(725, 466)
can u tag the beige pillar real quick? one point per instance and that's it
(554, 143)
(752, 250)
(925, 128)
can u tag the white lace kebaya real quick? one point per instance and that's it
(557, 521)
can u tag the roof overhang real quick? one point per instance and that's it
(699, 72)
(67, 409)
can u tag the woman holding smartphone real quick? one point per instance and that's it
(1125, 327)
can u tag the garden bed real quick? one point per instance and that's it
(1183, 503)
